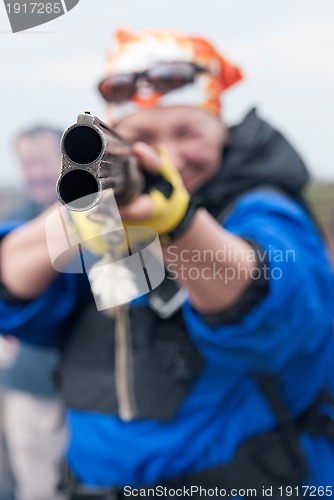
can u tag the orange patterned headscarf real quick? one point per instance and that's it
(136, 52)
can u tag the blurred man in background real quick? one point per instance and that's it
(38, 153)
(33, 417)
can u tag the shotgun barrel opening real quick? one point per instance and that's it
(78, 189)
(82, 145)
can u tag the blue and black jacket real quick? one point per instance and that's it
(196, 378)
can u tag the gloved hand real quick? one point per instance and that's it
(170, 208)
(165, 206)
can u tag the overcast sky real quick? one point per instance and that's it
(285, 48)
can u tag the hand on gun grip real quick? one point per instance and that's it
(164, 209)
(169, 209)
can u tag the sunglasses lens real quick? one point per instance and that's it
(117, 88)
(163, 77)
(170, 76)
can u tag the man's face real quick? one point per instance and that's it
(192, 137)
(40, 161)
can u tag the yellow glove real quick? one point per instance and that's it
(172, 210)
(171, 201)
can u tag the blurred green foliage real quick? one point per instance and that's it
(321, 199)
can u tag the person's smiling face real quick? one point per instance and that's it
(192, 137)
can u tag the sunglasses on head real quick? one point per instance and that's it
(163, 77)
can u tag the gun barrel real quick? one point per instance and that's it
(78, 189)
(95, 158)
(82, 145)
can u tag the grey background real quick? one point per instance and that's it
(49, 73)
